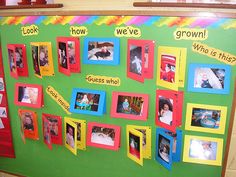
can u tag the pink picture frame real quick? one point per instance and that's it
(68, 50)
(104, 136)
(169, 109)
(29, 95)
(140, 59)
(132, 106)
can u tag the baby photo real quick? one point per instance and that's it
(130, 105)
(164, 148)
(135, 65)
(205, 118)
(204, 150)
(70, 139)
(134, 145)
(71, 52)
(165, 112)
(209, 78)
(27, 120)
(167, 70)
(28, 95)
(43, 55)
(102, 135)
(19, 57)
(62, 55)
(102, 50)
(87, 101)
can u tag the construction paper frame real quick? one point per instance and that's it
(46, 65)
(175, 107)
(166, 55)
(81, 130)
(72, 56)
(161, 160)
(139, 135)
(219, 122)
(205, 74)
(70, 136)
(30, 123)
(46, 133)
(146, 59)
(187, 148)
(36, 103)
(147, 138)
(116, 139)
(55, 123)
(143, 108)
(90, 51)
(21, 65)
(101, 107)
(12, 61)
(177, 143)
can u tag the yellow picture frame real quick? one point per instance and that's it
(82, 143)
(214, 126)
(132, 155)
(180, 66)
(196, 146)
(147, 152)
(45, 48)
(69, 139)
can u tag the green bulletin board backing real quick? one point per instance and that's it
(36, 160)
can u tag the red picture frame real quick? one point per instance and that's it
(169, 105)
(130, 105)
(30, 95)
(68, 50)
(20, 60)
(55, 127)
(104, 136)
(140, 59)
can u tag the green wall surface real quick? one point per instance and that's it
(34, 159)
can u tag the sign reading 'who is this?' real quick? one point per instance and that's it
(31, 30)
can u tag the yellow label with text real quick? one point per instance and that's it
(190, 34)
(58, 98)
(104, 80)
(214, 53)
(30, 30)
(78, 31)
(127, 31)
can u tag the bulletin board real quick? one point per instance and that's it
(35, 159)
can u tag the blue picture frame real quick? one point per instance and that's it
(163, 160)
(207, 78)
(101, 51)
(95, 104)
(179, 136)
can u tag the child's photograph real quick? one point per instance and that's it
(70, 139)
(19, 57)
(134, 145)
(135, 61)
(87, 101)
(43, 55)
(164, 148)
(11, 60)
(46, 133)
(100, 50)
(27, 120)
(35, 58)
(205, 118)
(205, 77)
(62, 55)
(103, 135)
(53, 126)
(167, 70)
(165, 111)
(130, 105)
(71, 52)
(28, 95)
(204, 150)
